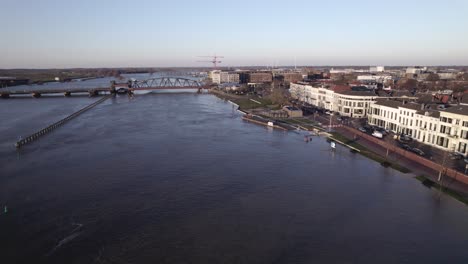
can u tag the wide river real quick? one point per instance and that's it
(180, 178)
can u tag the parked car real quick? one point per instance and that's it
(455, 156)
(362, 129)
(377, 134)
(328, 113)
(381, 130)
(418, 151)
(405, 146)
(404, 138)
(339, 119)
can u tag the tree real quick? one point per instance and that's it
(278, 96)
(408, 84)
(432, 77)
(464, 76)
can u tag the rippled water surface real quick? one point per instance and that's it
(180, 178)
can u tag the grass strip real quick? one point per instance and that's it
(370, 154)
(431, 184)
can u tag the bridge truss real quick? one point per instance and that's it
(166, 83)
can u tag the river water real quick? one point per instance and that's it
(180, 178)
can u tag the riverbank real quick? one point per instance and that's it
(451, 187)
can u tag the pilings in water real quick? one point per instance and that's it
(57, 124)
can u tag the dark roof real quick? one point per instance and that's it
(340, 88)
(358, 93)
(429, 109)
(398, 103)
(424, 98)
(459, 109)
(464, 99)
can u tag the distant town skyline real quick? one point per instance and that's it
(144, 33)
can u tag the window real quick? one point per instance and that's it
(446, 120)
(445, 129)
(462, 147)
(464, 134)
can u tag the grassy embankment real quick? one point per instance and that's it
(431, 184)
(303, 122)
(368, 153)
(245, 104)
(244, 101)
(427, 182)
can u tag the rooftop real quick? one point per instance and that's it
(459, 109)
(358, 93)
(398, 103)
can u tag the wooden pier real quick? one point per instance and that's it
(50, 128)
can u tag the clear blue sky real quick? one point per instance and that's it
(114, 33)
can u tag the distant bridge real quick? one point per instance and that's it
(162, 83)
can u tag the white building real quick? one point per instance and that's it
(416, 70)
(337, 98)
(345, 71)
(377, 69)
(219, 77)
(444, 129)
(374, 78)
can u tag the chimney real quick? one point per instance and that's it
(422, 106)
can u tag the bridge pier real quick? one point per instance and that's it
(93, 93)
(36, 95)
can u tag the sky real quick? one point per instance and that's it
(172, 33)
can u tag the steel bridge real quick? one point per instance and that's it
(161, 83)
(166, 83)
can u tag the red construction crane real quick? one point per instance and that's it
(214, 60)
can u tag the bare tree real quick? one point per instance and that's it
(432, 77)
(278, 96)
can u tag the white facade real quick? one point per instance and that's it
(447, 130)
(377, 69)
(356, 106)
(374, 78)
(219, 77)
(345, 103)
(346, 71)
(416, 70)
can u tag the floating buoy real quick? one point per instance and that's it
(5, 209)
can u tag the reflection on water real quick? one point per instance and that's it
(180, 178)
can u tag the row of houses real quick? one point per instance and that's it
(442, 128)
(254, 77)
(432, 124)
(219, 77)
(345, 100)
